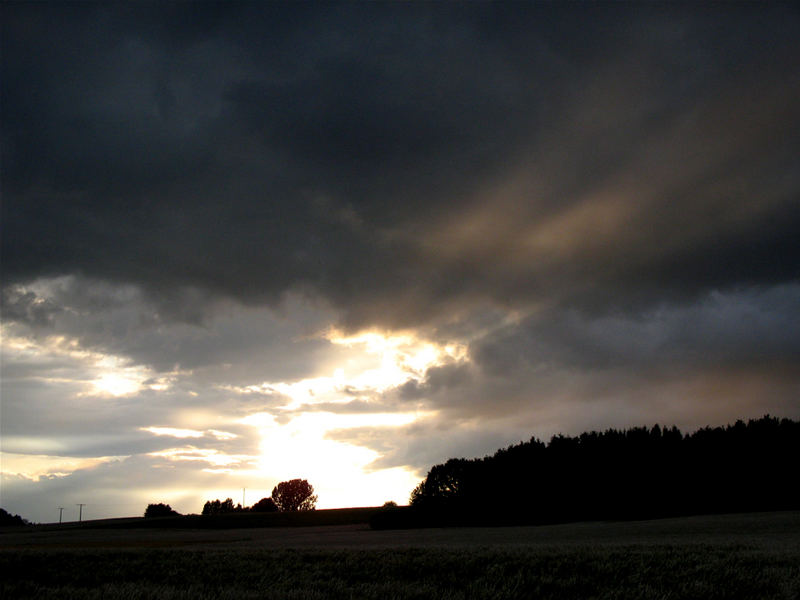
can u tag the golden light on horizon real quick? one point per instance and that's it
(297, 439)
(339, 470)
(330, 448)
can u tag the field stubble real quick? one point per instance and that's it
(731, 556)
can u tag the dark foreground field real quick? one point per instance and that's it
(725, 556)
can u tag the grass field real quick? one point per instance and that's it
(723, 556)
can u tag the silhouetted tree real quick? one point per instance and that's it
(9, 520)
(294, 495)
(159, 510)
(265, 505)
(216, 507)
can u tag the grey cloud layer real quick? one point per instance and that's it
(728, 331)
(124, 321)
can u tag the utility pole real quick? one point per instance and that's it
(243, 504)
(60, 513)
(80, 513)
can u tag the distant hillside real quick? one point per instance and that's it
(631, 474)
(237, 520)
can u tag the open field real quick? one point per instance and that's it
(721, 556)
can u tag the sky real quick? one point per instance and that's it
(249, 242)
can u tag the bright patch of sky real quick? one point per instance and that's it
(36, 466)
(383, 362)
(189, 433)
(292, 438)
(295, 445)
(99, 374)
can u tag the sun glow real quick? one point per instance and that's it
(340, 470)
(306, 432)
(330, 448)
(400, 356)
(384, 362)
(116, 384)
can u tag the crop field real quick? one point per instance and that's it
(722, 556)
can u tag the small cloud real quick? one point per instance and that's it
(174, 432)
(215, 458)
(190, 433)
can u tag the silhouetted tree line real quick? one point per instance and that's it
(630, 474)
(288, 496)
(9, 520)
(222, 507)
(265, 505)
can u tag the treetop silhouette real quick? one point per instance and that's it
(294, 495)
(159, 510)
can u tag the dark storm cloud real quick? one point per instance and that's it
(403, 162)
(27, 308)
(600, 202)
(748, 328)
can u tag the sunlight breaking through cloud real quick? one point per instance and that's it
(294, 435)
(400, 355)
(97, 373)
(299, 448)
(258, 282)
(385, 361)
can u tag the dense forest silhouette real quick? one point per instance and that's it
(630, 474)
